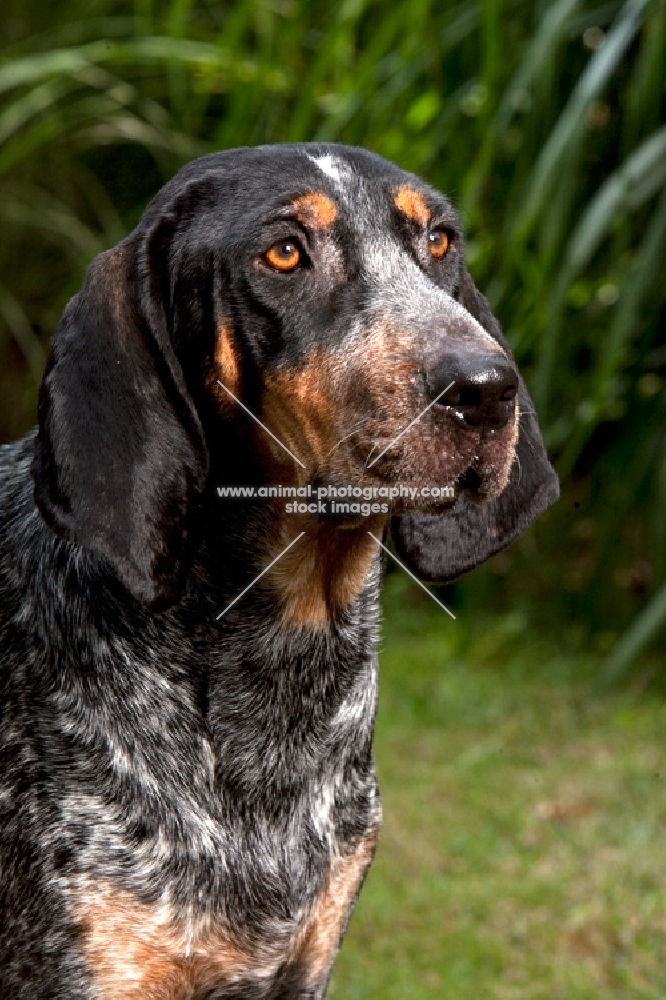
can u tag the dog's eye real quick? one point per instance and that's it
(439, 242)
(285, 255)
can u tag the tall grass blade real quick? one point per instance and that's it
(643, 630)
(517, 96)
(632, 184)
(639, 282)
(572, 121)
(18, 323)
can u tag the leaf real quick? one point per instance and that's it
(630, 186)
(572, 121)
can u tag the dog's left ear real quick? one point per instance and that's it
(442, 547)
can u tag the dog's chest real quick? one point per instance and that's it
(245, 885)
(168, 951)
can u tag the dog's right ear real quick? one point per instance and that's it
(120, 458)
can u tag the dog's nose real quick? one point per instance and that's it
(477, 390)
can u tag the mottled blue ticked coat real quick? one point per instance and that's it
(188, 803)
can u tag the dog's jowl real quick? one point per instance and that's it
(188, 803)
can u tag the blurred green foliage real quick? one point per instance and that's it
(545, 123)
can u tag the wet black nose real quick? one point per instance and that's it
(478, 390)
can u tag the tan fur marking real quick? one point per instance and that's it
(325, 571)
(138, 952)
(315, 210)
(412, 204)
(504, 451)
(226, 361)
(302, 411)
(321, 936)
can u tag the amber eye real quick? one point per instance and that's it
(285, 255)
(439, 243)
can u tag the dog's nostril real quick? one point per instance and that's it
(509, 393)
(468, 396)
(477, 390)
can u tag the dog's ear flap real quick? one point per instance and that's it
(442, 547)
(120, 459)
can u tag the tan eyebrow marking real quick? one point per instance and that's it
(315, 210)
(412, 204)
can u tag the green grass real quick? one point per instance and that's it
(523, 854)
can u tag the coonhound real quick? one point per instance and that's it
(188, 803)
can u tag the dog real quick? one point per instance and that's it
(188, 803)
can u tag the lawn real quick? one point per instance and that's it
(523, 853)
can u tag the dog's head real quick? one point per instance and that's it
(326, 290)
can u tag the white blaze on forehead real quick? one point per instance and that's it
(333, 167)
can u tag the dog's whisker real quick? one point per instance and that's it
(346, 437)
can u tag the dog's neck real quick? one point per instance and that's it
(319, 564)
(322, 568)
